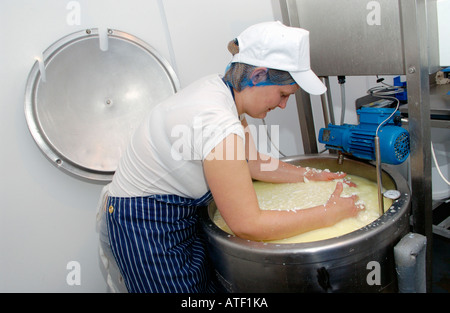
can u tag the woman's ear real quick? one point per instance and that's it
(259, 75)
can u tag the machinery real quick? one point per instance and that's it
(359, 140)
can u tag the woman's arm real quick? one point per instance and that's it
(266, 168)
(230, 182)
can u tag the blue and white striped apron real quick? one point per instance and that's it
(158, 244)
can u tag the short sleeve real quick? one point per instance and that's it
(212, 127)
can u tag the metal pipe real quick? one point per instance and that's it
(340, 158)
(325, 110)
(343, 104)
(329, 100)
(305, 117)
(379, 180)
(341, 81)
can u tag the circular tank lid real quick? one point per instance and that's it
(88, 93)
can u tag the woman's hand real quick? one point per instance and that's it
(325, 175)
(231, 185)
(339, 208)
(322, 175)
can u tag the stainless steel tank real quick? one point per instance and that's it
(360, 261)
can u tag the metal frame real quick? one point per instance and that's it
(415, 31)
(415, 34)
(304, 109)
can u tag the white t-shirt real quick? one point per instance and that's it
(166, 152)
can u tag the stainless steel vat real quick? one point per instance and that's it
(361, 261)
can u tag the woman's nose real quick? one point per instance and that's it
(283, 103)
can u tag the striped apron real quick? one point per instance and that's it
(158, 244)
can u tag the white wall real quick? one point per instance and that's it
(443, 7)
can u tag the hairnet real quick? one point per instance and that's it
(238, 76)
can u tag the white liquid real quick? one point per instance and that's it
(297, 196)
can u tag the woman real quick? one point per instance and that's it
(193, 147)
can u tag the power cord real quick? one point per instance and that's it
(437, 165)
(385, 92)
(270, 139)
(388, 90)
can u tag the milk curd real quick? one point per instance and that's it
(298, 196)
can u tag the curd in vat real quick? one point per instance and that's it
(298, 196)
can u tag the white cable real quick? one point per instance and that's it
(432, 148)
(383, 92)
(270, 139)
(437, 165)
(396, 109)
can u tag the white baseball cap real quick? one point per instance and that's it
(277, 46)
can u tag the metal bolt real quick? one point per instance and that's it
(411, 70)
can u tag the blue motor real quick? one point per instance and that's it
(358, 140)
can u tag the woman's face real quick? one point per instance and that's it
(258, 101)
